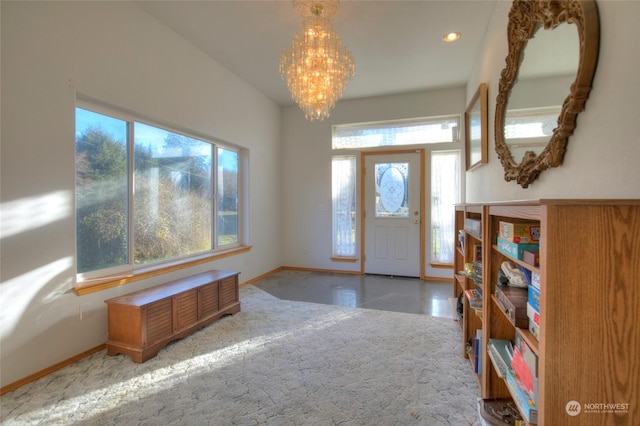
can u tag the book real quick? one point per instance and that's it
(475, 298)
(522, 399)
(535, 280)
(527, 354)
(501, 352)
(521, 369)
(477, 344)
(534, 321)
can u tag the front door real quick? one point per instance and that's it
(392, 214)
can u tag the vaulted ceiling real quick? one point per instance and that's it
(397, 45)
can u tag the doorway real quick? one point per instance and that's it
(392, 213)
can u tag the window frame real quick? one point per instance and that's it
(336, 254)
(373, 126)
(90, 281)
(435, 263)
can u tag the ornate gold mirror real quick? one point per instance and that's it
(553, 51)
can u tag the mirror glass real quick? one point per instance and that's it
(549, 66)
(553, 52)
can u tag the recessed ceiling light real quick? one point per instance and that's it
(451, 37)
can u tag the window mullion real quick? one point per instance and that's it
(215, 169)
(131, 206)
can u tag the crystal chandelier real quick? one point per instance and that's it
(317, 66)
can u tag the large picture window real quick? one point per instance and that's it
(145, 194)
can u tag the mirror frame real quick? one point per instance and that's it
(525, 18)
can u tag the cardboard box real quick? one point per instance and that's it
(514, 250)
(531, 257)
(521, 233)
(513, 302)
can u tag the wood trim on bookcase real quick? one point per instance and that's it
(32, 378)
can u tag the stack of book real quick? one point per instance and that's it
(518, 365)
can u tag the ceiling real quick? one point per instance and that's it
(397, 45)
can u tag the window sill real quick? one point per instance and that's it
(99, 284)
(344, 259)
(441, 265)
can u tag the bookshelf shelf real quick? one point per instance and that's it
(460, 280)
(532, 268)
(589, 264)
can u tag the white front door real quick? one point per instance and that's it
(392, 214)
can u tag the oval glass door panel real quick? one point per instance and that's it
(392, 180)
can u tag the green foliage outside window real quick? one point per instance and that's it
(172, 206)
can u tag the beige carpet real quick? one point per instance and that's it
(275, 363)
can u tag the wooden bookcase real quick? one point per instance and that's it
(466, 252)
(589, 344)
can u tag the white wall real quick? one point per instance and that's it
(601, 160)
(114, 52)
(306, 177)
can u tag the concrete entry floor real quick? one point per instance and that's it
(398, 294)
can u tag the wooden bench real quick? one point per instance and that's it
(143, 322)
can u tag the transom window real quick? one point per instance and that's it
(531, 126)
(414, 131)
(147, 195)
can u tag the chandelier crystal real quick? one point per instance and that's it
(317, 66)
